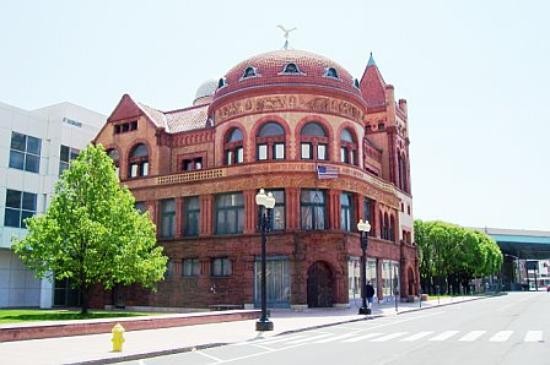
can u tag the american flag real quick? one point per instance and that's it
(327, 172)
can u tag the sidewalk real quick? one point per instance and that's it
(145, 343)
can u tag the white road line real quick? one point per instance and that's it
(501, 336)
(391, 336)
(472, 336)
(417, 336)
(336, 338)
(280, 339)
(364, 337)
(443, 336)
(533, 336)
(308, 339)
(209, 356)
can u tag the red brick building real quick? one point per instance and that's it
(331, 148)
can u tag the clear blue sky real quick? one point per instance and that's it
(475, 73)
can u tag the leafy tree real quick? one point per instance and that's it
(451, 255)
(91, 232)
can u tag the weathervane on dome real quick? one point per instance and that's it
(286, 32)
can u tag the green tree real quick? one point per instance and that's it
(91, 233)
(451, 255)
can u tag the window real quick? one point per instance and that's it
(233, 147)
(278, 212)
(348, 147)
(191, 206)
(270, 142)
(291, 68)
(191, 267)
(221, 267)
(402, 182)
(346, 212)
(368, 214)
(313, 138)
(331, 72)
(192, 164)
(221, 83)
(391, 234)
(356, 83)
(313, 209)
(66, 155)
(167, 218)
(19, 206)
(249, 72)
(139, 161)
(140, 206)
(125, 127)
(115, 156)
(25, 152)
(229, 213)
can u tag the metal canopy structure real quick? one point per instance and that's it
(523, 244)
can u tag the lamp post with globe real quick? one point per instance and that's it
(266, 202)
(364, 228)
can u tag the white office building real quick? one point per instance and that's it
(35, 147)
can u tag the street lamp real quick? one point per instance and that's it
(364, 228)
(266, 202)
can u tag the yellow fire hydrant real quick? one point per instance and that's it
(118, 337)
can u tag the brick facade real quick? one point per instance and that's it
(198, 137)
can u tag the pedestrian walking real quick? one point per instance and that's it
(369, 291)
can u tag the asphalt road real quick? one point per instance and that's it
(511, 329)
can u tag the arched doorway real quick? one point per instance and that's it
(319, 285)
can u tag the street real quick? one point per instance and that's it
(509, 329)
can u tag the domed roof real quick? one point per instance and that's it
(272, 68)
(205, 90)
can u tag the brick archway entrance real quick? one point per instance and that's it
(320, 283)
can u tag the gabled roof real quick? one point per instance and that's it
(373, 85)
(172, 121)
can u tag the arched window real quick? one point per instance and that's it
(392, 229)
(386, 235)
(270, 142)
(331, 72)
(313, 142)
(233, 147)
(221, 83)
(115, 156)
(356, 83)
(291, 68)
(139, 161)
(249, 72)
(348, 147)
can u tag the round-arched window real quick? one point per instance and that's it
(348, 147)
(233, 147)
(313, 142)
(139, 161)
(270, 142)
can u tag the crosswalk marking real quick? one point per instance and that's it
(501, 336)
(336, 338)
(280, 339)
(533, 336)
(443, 336)
(417, 336)
(389, 337)
(472, 336)
(308, 339)
(364, 337)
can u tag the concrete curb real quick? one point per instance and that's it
(303, 329)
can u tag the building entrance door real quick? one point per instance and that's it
(319, 285)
